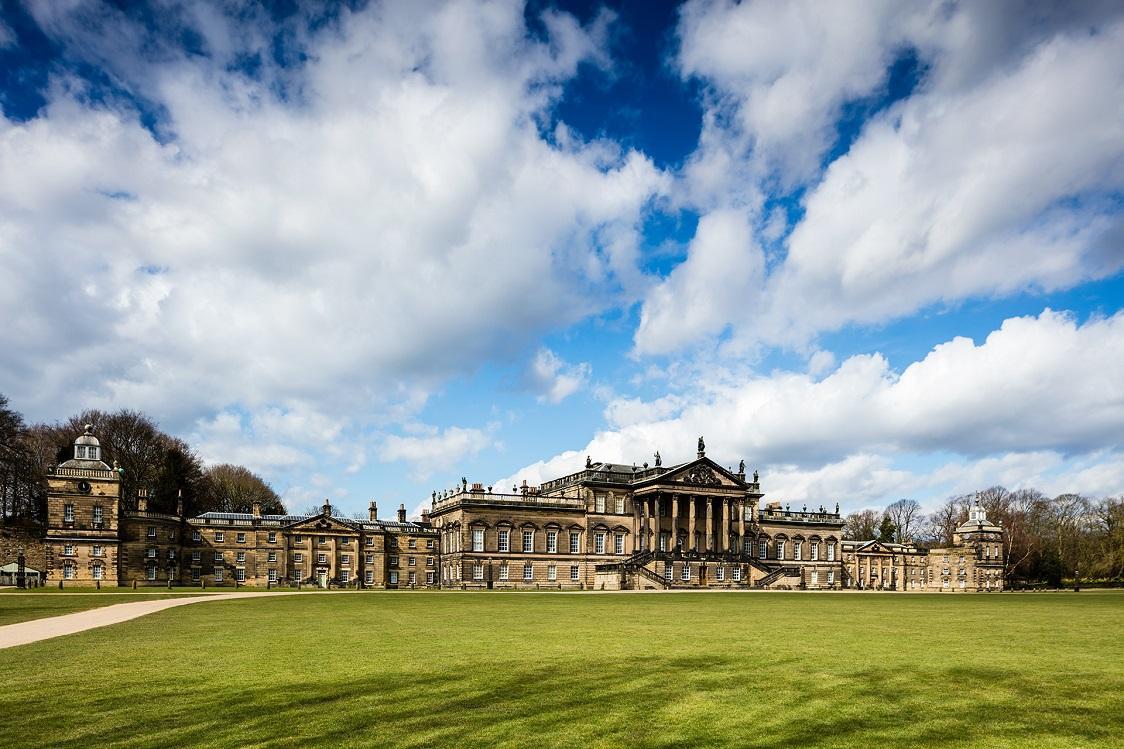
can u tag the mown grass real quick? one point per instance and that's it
(24, 606)
(543, 670)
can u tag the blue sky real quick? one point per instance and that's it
(873, 249)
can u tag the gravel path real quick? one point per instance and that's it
(22, 633)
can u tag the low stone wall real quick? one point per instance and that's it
(34, 549)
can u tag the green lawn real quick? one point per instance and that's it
(24, 606)
(542, 670)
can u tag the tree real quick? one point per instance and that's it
(22, 483)
(943, 522)
(906, 516)
(886, 530)
(861, 525)
(231, 488)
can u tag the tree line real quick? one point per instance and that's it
(1046, 539)
(161, 464)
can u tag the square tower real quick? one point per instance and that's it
(83, 503)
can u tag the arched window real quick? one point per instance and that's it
(780, 548)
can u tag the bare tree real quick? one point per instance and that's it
(944, 519)
(861, 525)
(906, 516)
(231, 488)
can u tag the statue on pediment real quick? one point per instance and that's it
(659, 460)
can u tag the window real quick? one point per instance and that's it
(814, 551)
(195, 575)
(240, 575)
(95, 550)
(98, 514)
(720, 573)
(413, 579)
(321, 558)
(831, 577)
(413, 543)
(620, 505)
(322, 540)
(68, 550)
(171, 535)
(219, 537)
(80, 451)
(271, 557)
(298, 556)
(370, 540)
(150, 552)
(503, 571)
(429, 561)
(505, 539)
(575, 542)
(796, 545)
(97, 570)
(412, 561)
(618, 544)
(345, 560)
(668, 571)
(780, 549)
(196, 536)
(831, 552)
(393, 540)
(737, 574)
(272, 537)
(344, 541)
(218, 574)
(528, 571)
(345, 576)
(528, 541)
(478, 571)
(369, 577)
(665, 538)
(552, 572)
(272, 576)
(151, 572)
(478, 539)
(68, 513)
(171, 553)
(686, 572)
(298, 539)
(392, 560)
(240, 557)
(369, 559)
(218, 556)
(815, 578)
(763, 550)
(747, 545)
(574, 576)
(429, 543)
(393, 578)
(68, 571)
(240, 538)
(552, 542)
(195, 557)
(599, 502)
(598, 543)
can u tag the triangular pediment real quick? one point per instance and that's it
(874, 547)
(702, 472)
(321, 524)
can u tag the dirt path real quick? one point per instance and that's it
(22, 633)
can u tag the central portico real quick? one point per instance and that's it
(612, 525)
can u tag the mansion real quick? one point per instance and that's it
(607, 527)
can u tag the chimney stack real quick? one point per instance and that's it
(255, 508)
(142, 500)
(326, 509)
(425, 517)
(401, 513)
(179, 503)
(374, 510)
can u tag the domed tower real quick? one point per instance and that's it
(83, 502)
(984, 540)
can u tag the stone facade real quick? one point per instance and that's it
(609, 526)
(973, 563)
(92, 540)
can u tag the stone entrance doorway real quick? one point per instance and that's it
(322, 578)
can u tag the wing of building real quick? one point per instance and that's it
(609, 526)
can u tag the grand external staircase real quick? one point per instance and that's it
(776, 574)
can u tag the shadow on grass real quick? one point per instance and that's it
(648, 701)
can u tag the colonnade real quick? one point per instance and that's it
(708, 521)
